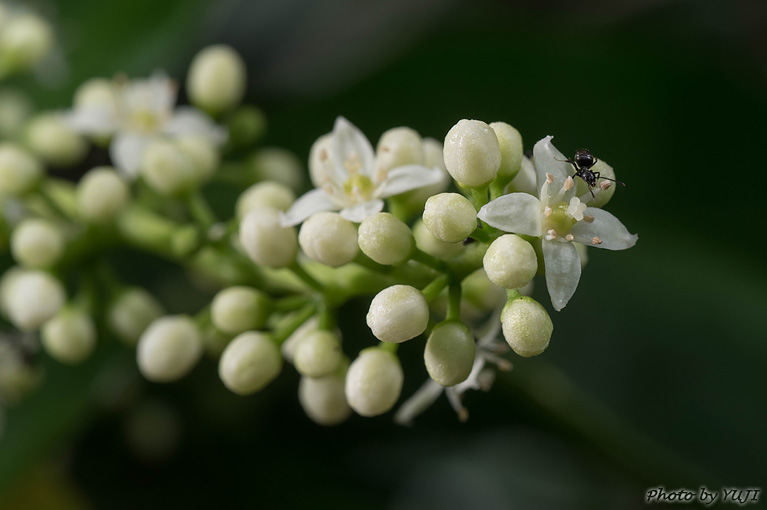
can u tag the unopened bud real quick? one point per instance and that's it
(216, 80)
(101, 195)
(385, 239)
(70, 336)
(510, 262)
(169, 348)
(527, 326)
(238, 309)
(450, 217)
(373, 382)
(329, 238)
(472, 153)
(250, 362)
(265, 240)
(398, 313)
(449, 353)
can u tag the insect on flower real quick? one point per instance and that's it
(583, 161)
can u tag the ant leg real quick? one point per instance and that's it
(599, 176)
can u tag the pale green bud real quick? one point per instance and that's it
(373, 382)
(602, 196)
(19, 170)
(385, 239)
(70, 336)
(169, 348)
(279, 165)
(250, 362)
(6, 284)
(449, 353)
(238, 309)
(472, 153)
(510, 262)
(426, 242)
(25, 40)
(415, 199)
(398, 147)
(132, 312)
(101, 195)
(450, 217)
(96, 93)
(478, 291)
(32, 298)
(398, 313)
(216, 80)
(318, 354)
(51, 139)
(527, 326)
(37, 243)
(15, 109)
(510, 142)
(167, 169)
(290, 345)
(324, 399)
(329, 238)
(268, 193)
(201, 152)
(266, 241)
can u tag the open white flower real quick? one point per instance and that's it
(134, 112)
(343, 169)
(559, 218)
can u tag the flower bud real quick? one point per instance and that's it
(450, 217)
(602, 196)
(201, 152)
(319, 354)
(373, 382)
(32, 298)
(415, 199)
(527, 326)
(37, 243)
(426, 242)
(132, 312)
(398, 147)
(101, 195)
(216, 80)
(449, 353)
(239, 309)
(385, 239)
(472, 153)
(329, 238)
(290, 345)
(168, 170)
(510, 142)
(96, 104)
(245, 125)
(250, 362)
(70, 336)
(51, 139)
(19, 170)
(169, 348)
(398, 313)
(15, 109)
(268, 193)
(265, 241)
(324, 399)
(278, 165)
(478, 292)
(25, 40)
(510, 262)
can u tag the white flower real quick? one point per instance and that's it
(559, 218)
(343, 170)
(134, 112)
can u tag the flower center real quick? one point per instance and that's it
(144, 121)
(560, 220)
(359, 188)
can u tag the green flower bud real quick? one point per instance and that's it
(51, 139)
(426, 242)
(169, 348)
(167, 169)
(70, 336)
(385, 239)
(472, 153)
(216, 80)
(269, 193)
(398, 313)
(527, 326)
(25, 40)
(398, 147)
(450, 217)
(245, 125)
(319, 354)
(329, 238)
(604, 195)
(250, 362)
(238, 309)
(201, 152)
(101, 195)
(278, 165)
(510, 142)
(510, 262)
(479, 293)
(37, 243)
(449, 353)
(265, 241)
(373, 382)
(19, 170)
(324, 399)
(132, 312)
(32, 298)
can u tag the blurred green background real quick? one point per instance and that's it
(655, 375)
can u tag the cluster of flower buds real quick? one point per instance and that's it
(445, 239)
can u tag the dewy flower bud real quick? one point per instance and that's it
(318, 354)
(101, 195)
(70, 336)
(132, 312)
(37, 243)
(602, 196)
(50, 138)
(268, 193)
(25, 39)
(527, 326)
(265, 240)
(290, 345)
(472, 153)
(373, 382)
(450, 217)
(19, 170)
(398, 147)
(278, 165)
(324, 399)
(238, 309)
(169, 348)
(31, 298)
(168, 170)
(510, 262)
(385, 239)
(398, 313)
(329, 238)
(449, 353)
(216, 80)
(426, 242)
(250, 362)
(510, 142)
(201, 152)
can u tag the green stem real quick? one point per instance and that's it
(497, 188)
(454, 302)
(306, 277)
(200, 209)
(51, 203)
(283, 331)
(368, 263)
(290, 303)
(429, 260)
(326, 317)
(431, 291)
(481, 235)
(388, 347)
(479, 195)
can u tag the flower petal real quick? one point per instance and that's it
(91, 120)
(359, 212)
(187, 120)
(563, 271)
(548, 160)
(348, 143)
(519, 213)
(307, 204)
(408, 177)
(606, 231)
(126, 151)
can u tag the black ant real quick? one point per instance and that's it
(583, 161)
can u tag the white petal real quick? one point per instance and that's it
(126, 151)
(359, 212)
(91, 120)
(519, 213)
(548, 160)
(321, 168)
(348, 141)
(163, 91)
(409, 177)
(606, 228)
(307, 204)
(563, 271)
(188, 120)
